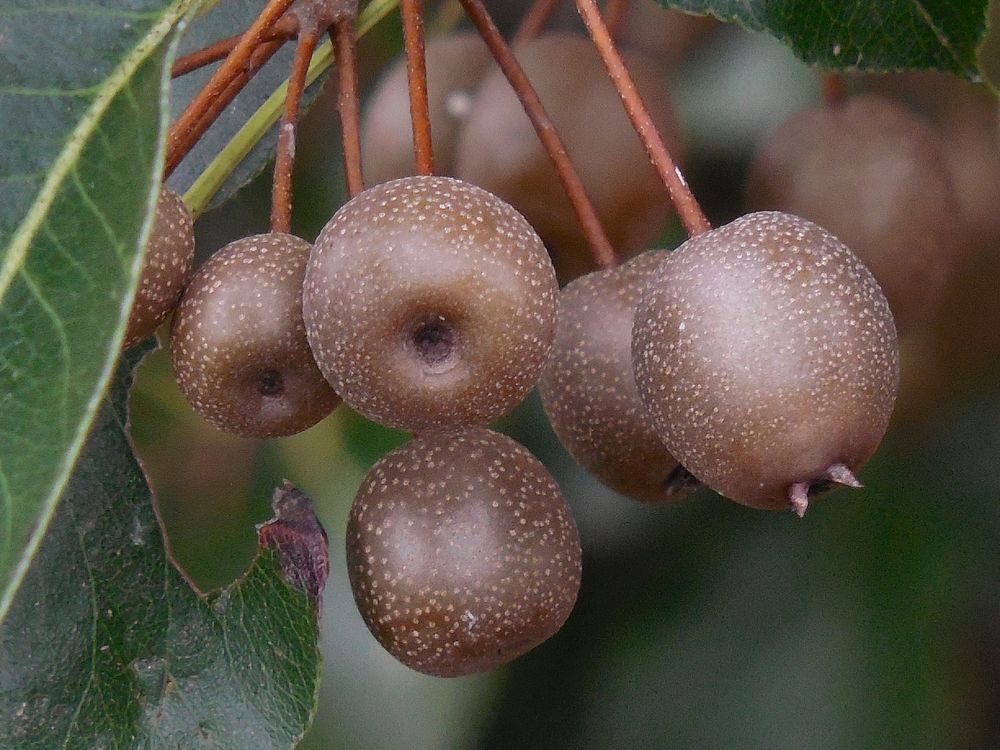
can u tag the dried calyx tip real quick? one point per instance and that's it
(798, 498)
(798, 493)
(840, 474)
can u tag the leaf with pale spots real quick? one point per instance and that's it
(872, 35)
(108, 645)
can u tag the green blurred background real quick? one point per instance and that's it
(872, 623)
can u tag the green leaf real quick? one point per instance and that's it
(82, 113)
(108, 645)
(872, 35)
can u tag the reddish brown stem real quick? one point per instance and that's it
(180, 140)
(281, 195)
(180, 147)
(614, 16)
(834, 91)
(283, 30)
(600, 247)
(342, 36)
(533, 21)
(416, 77)
(685, 204)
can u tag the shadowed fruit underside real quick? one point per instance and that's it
(589, 392)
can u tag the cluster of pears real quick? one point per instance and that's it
(758, 358)
(429, 305)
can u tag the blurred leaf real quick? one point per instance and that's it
(81, 118)
(108, 645)
(988, 54)
(222, 21)
(873, 35)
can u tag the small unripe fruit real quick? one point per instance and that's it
(873, 174)
(461, 552)
(430, 304)
(499, 150)
(767, 357)
(455, 64)
(239, 348)
(588, 389)
(169, 255)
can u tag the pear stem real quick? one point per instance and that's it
(685, 203)
(597, 240)
(416, 77)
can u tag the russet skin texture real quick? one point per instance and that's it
(498, 148)
(430, 304)
(461, 552)
(873, 174)
(455, 64)
(588, 389)
(767, 357)
(169, 256)
(239, 348)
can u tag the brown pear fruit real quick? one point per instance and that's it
(169, 256)
(588, 390)
(873, 174)
(239, 347)
(498, 148)
(455, 64)
(462, 553)
(766, 355)
(430, 304)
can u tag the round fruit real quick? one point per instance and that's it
(498, 148)
(454, 64)
(588, 390)
(430, 304)
(964, 116)
(239, 347)
(767, 357)
(461, 552)
(873, 174)
(169, 255)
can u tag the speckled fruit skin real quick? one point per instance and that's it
(588, 389)
(239, 349)
(873, 174)
(462, 553)
(498, 148)
(766, 353)
(455, 63)
(169, 256)
(430, 304)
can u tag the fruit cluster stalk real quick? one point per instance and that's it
(416, 76)
(687, 206)
(251, 47)
(600, 247)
